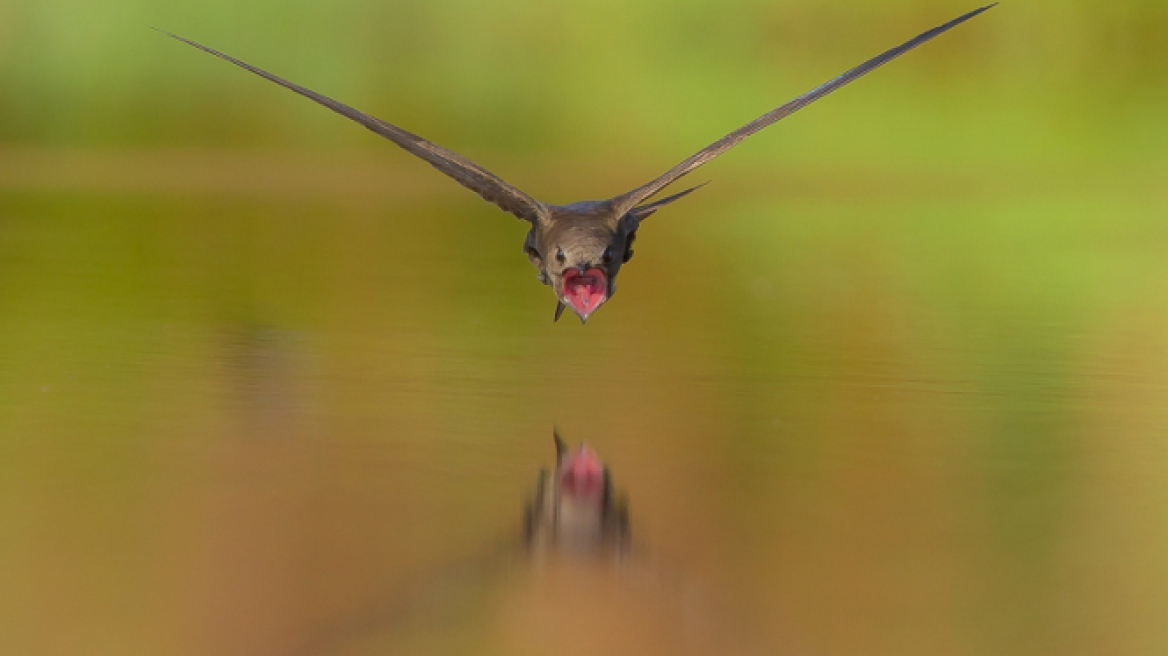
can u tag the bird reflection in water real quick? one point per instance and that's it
(570, 582)
(575, 509)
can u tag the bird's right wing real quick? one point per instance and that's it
(628, 201)
(468, 174)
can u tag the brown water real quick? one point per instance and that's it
(248, 405)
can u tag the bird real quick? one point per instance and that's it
(575, 509)
(578, 249)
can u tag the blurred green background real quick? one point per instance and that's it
(1055, 81)
(895, 383)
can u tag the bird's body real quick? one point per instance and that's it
(579, 248)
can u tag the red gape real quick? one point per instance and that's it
(582, 473)
(585, 291)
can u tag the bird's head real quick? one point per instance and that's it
(582, 262)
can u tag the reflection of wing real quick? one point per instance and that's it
(629, 200)
(465, 172)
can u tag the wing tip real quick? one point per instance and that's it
(968, 15)
(169, 34)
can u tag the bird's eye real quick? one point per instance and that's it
(560, 255)
(607, 254)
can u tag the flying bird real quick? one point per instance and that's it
(579, 248)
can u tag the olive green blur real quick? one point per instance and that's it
(894, 383)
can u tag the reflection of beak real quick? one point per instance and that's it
(582, 473)
(584, 291)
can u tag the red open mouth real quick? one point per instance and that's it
(585, 291)
(582, 473)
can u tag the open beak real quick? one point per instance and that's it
(584, 291)
(582, 473)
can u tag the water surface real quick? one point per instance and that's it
(245, 399)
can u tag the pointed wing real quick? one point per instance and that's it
(629, 200)
(644, 211)
(465, 172)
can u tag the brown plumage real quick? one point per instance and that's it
(579, 248)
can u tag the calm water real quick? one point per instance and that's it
(256, 406)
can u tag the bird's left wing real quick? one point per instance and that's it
(470, 175)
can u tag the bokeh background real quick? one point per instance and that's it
(896, 382)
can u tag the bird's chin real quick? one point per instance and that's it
(584, 291)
